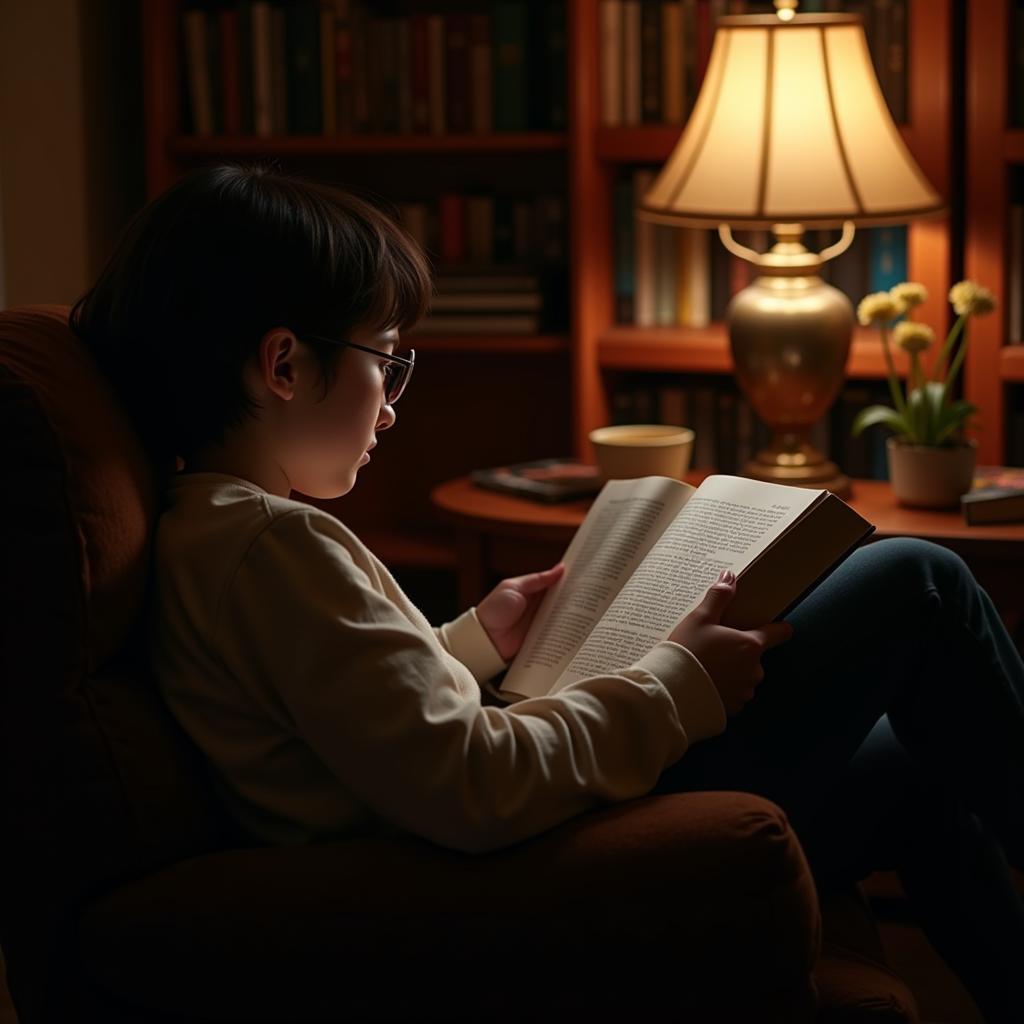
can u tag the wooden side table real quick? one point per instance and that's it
(501, 535)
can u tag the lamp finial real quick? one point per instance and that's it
(786, 9)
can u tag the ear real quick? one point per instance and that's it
(277, 362)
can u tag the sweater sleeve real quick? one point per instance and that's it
(466, 639)
(400, 724)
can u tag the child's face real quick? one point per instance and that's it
(327, 439)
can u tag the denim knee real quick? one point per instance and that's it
(938, 565)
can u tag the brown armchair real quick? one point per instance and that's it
(126, 894)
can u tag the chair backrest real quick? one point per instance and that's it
(97, 783)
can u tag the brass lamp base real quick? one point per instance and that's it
(793, 460)
(789, 333)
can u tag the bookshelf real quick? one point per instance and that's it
(482, 400)
(478, 399)
(994, 367)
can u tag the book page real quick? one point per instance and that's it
(621, 526)
(725, 524)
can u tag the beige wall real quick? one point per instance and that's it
(71, 170)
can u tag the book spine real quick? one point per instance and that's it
(696, 277)
(403, 85)
(436, 73)
(673, 407)
(556, 102)
(643, 256)
(420, 73)
(457, 80)
(631, 63)
(703, 31)
(362, 120)
(650, 62)
(481, 72)
(504, 229)
(480, 229)
(214, 69)
(624, 252)
(200, 91)
(611, 62)
(246, 87)
(666, 270)
(304, 78)
(278, 65)
(452, 224)
(673, 79)
(262, 61)
(343, 69)
(704, 404)
(896, 65)
(328, 73)
(509, 28)
(690, 58)
(230, 69)
(888, 246)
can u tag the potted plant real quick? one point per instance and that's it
(931, 462)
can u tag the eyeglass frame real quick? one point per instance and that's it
(407, 363)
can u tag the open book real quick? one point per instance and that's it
(646, 554)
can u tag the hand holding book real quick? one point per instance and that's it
(731, 657)
(648, 550)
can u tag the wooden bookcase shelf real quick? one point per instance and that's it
(706, 350)
(1011, 364)
(373, 145)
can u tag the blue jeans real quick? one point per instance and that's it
(890, 729)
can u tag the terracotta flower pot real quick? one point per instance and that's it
(927, 477)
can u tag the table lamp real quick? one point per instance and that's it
(790, 130)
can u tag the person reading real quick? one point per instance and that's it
(251, 322)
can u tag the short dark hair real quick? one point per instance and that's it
(228, 252)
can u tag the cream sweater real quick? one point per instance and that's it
(329, 706)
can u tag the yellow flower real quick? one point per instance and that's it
(878, 308)
(910, 293)
(913, 337)
(971, 299)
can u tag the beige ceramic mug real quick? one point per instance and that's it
(635, 449)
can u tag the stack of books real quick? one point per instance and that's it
(499, 301)
(996, 496)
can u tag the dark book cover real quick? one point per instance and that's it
(650, 62)
(509, 35)
(302, 49)
(246, 87)
(457, 71)
(545, 480)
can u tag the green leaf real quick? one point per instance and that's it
(878, 414)
(953, 417)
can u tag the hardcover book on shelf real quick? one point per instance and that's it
(648, 550)
(546, 480)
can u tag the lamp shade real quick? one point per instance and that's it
(790, 126)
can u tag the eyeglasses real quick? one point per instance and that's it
(397, 372)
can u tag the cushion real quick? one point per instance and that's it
(663, 901)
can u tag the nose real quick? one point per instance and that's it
(387, 417)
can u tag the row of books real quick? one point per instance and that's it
(684, 277)
(480, 228)
(729, 433)
(330, 67)
(654, 53)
